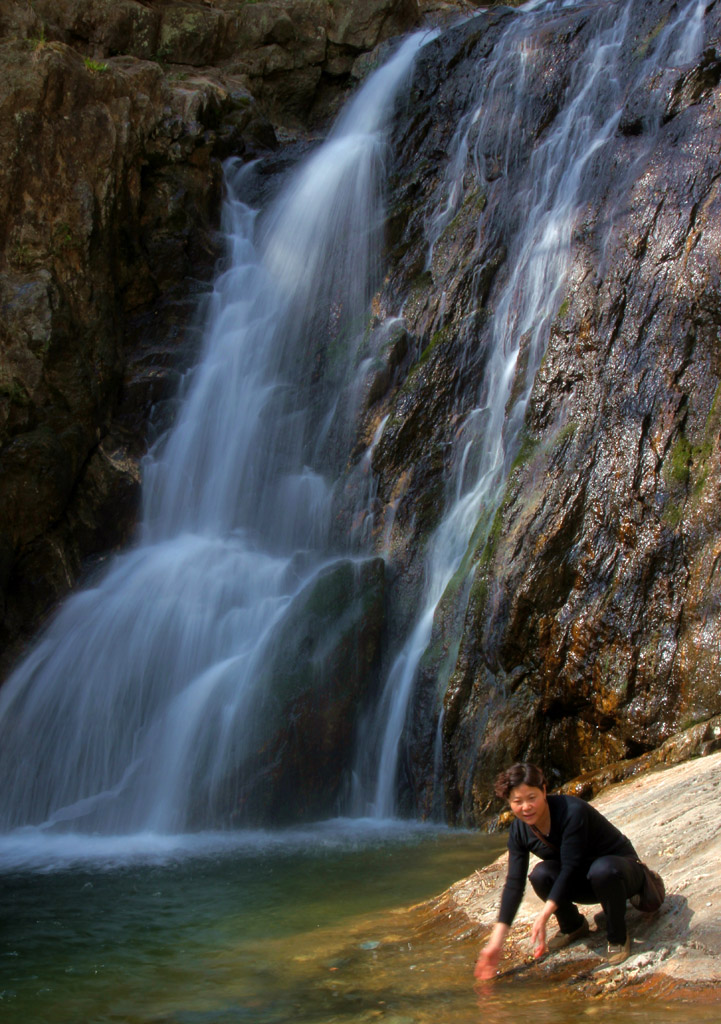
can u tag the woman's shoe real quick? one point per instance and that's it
(562, 939)
(618, 952)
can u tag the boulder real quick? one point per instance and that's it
(315, 682)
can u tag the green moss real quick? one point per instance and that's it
(62, 238)
(452, 250)
(494, 536)
(438, 339)
(700, 454)
(691, 720)
(643, 47)
(412, 381)
(487, 537)
(473, 205)
(700, 482)
(563, 307)
(566, 433)
(527, 450)
(678, 462)
(477, 556)
(686, 464)
(94, 66)
(39, 41)
(477, 542)
(14, 392)
(455, 585)
(471, 554)
(441, 656)
(24, 256)
(480, 554)
(479, 596)
(686, 468)
(163, 53)
(488, 543)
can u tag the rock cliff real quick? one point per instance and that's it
(582, 625)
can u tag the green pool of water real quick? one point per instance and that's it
(262, 928)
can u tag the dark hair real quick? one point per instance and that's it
(522, 774)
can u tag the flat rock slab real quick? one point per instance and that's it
(672, 817)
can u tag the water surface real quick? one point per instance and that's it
(308, 925)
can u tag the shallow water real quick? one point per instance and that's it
(307, 926)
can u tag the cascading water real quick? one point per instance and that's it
(139, 698)
(545, 200)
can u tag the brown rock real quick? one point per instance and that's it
(109, 190)
(581, 628)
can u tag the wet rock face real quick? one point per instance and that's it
(621, 542)
(582, 627)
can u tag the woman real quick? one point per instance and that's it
(584, 859)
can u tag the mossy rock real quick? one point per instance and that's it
(313, 687)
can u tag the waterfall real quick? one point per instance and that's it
(545, 198)
(139, 697)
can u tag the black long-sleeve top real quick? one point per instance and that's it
(579, 833)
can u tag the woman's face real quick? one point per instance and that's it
(528, 803)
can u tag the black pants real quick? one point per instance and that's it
(610, 881)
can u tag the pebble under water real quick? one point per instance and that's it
(310, 926)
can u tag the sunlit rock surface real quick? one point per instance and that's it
(286, 51)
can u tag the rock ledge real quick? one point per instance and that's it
(671, 816)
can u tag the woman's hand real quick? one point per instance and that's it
(487, 963)
(538, 931)
(490, 955)
(538, 936)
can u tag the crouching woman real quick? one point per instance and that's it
(583, 859)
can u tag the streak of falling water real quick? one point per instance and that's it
(140, 698)
(492, 138)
